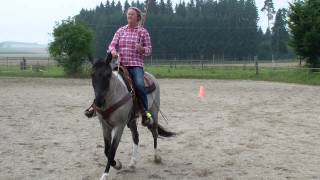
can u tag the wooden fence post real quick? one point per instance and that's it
(300, 59)
(7, 63)
(201, 64)
(48, 63)
(213, 59)
(256, 64)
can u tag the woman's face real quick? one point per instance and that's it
(132, 17)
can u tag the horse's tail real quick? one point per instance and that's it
(165, 133)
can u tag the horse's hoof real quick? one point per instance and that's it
(90, 113)
(157, 159)
(104, 176)
(118, 165)
(132, 164)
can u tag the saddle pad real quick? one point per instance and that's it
(148, 82)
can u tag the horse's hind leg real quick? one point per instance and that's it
(135, 137)
(154, 131)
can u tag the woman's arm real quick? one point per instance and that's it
(114, 45)
(147, 43)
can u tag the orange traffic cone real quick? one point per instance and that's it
(202, 92)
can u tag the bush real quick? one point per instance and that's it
(73, 43)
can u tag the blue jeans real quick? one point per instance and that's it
(137, 75)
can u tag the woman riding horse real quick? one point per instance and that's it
(132, 42)
(114, 103)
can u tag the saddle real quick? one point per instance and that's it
(148, 83)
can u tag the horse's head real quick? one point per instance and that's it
(100, 76)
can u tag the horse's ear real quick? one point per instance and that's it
(109, 57)
(95, 61)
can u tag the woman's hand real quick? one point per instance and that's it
(140, 49)
(114, 54)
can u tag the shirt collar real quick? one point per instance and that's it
(127, 27)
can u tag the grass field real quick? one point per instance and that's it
(265, 74)
(300, 76)
(52, 71)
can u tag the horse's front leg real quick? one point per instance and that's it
(111, 152)
(135, 137)
(107, 143)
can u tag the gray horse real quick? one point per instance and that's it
(110, 89)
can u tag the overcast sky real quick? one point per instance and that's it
(33, 20)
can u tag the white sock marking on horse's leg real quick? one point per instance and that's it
(104, 176)
(113, 133)
(135, 155)
(135, 151)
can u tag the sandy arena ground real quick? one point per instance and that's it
(240, 130)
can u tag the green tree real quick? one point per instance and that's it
(72, 44)
(280, 34)
(269, 7)
(162, 8)
(196, 29)
(169, 9)
(304, 22)
(264, 49)
(126, 5)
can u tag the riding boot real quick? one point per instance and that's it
(147, 119)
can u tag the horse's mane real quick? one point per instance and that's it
(99, 63)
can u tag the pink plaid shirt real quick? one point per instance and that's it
(124, 42)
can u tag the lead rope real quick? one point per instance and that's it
(118, 68)
(118, 63)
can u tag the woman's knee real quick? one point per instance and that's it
(137, 75)
(139, 85)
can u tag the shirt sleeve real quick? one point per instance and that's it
(114, 45)
(147, 43)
